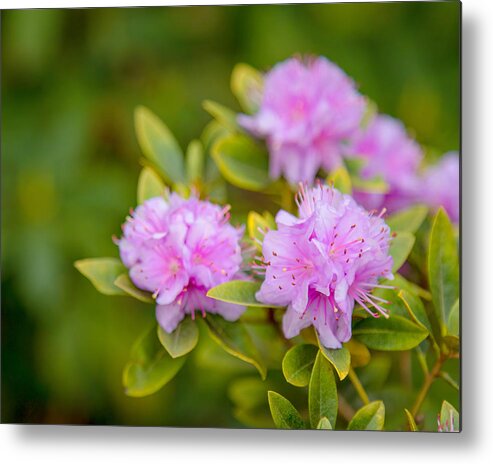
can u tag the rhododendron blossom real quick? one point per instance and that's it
(178, 249)
(391, 154)
(440, 185)
(323, 262)
(308, 110)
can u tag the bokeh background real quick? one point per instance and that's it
(70, 161)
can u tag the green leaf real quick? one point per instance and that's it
(195, 161)
(102, 273)
(339, 358)
(400, 247)
(257, 225)
(241, 292)
(324, 424)
(246, 85)
(453, 319)
(150, 366)
(415, 308)
(401, 283)
(235, 339)
(124, 283)
(224, 116)
(159, 145)
(394, 334)
(150, 185)
(443, 268)
(360, 354)
(322, 392)
(182, 340)
(298, 363)
(284, 413)
(449, 417)
(369, 417)
(242, 162)
(408, 220)
(341, 180)
(410, 421)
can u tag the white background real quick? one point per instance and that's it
(76, 444)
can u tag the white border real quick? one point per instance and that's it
(53, 444)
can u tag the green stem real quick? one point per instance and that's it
(426, 386)
(358, 387)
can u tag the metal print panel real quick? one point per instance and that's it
(232, 216)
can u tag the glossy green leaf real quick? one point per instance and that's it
(284, 414)
(182, 340)
(322, 392)
(159, 145)
(400, 247)
(223, 115)
(453, 319)
(393, 334)
(234, 338)
(341, 180)
(408, 220)
(443, 267)
(102, 272)
(150, 366)
(241, 292)
(324, 424)
(415, 308)
(410, 421)
(124, 283)
(449, 417)
(247, 85)
(339, 358)
(150, 185)
(243, 162)
(195, 161)
(298, 363)
(369, 417)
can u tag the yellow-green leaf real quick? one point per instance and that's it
(322, 392)
(234, 338)
(150, 366)
(182, 340)
(369, 417)
(159, 145)
(297, 364)
(102, 272)
(284, 413)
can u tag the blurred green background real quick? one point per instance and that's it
(70, 82)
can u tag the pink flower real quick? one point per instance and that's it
(322, 263)
(440, 185)
(389, 153)
(178, 249)
(307, 112)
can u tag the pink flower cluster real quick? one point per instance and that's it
(388, 153)
(308, 111)
(323, 262)
(310, 116)
(391, 154)
(178, 249)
